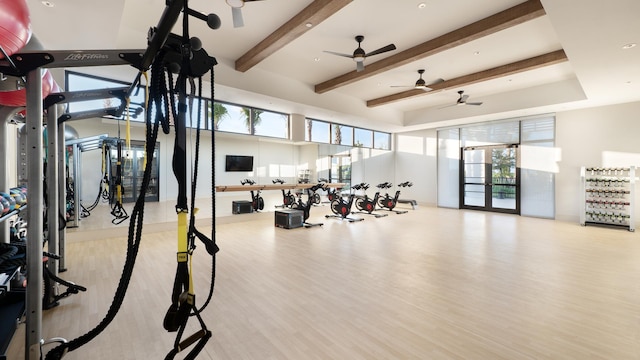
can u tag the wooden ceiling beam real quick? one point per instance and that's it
(513, 16)
(315, 13)
(536, 62)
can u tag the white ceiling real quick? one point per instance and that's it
(591, 32)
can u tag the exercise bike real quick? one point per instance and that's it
(365, 204)
(332, 193)
(306, 206)
(389, 203)
(257, 202)
(287, 197)
(341, 208)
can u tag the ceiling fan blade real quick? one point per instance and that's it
(389, 47)
(473, 103)
(238, 21)
(463, 98)
(359, 66)
(339, 54)
(404, 86)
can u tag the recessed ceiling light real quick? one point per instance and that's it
(48, 3)
(629, 46)
(422, 6)
(316, 59)
(476, 53)
(308, 24)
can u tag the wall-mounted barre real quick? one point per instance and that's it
(226, 188)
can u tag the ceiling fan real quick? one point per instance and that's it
(421, 84)
(359, 55)
(462, 100)
(236, 11)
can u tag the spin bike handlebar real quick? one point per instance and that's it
(247, 182)
(278, 181)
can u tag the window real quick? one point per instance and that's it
(341, 134)
(317, 131)
(381, 141)
(268, 123)
(231, 118)
(362, 138)
(78, 82)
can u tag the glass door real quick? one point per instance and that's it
(133, 163)
(340, 171)
(490, 178)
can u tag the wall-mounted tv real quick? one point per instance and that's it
(238, 163)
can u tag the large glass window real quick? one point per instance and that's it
(362, 138)
(78, 82)
(231, 118)
(341, 134)
(317, 131)
(381, 140)
(268, 123)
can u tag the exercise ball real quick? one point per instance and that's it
(70, 133)
(15, 25)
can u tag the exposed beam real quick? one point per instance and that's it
(547, 59)
(315, 13)
(518, 14)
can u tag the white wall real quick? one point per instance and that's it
(416, 161)
(602, 137)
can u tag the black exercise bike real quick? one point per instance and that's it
(388, 202)
(306, 206)
(364, 203)
(257, 202)
(332, 193)
(341, 207)
(287, 197)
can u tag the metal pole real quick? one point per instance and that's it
(62, 196)
(52, 194)
(34, 210)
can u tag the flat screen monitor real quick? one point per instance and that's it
(238, 163)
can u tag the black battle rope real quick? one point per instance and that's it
(183, 303)
(210, 243)
(136, 222)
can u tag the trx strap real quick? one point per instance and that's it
(103, 188)
(183, 298)
(157, 55)
(118, 211)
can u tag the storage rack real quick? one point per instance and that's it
(608, 196)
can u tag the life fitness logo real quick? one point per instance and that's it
(80, 57)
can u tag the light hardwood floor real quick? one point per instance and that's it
(430, 284)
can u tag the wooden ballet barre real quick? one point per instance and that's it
(228, 188)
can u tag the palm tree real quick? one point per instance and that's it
(251, 118)
(338, 135)
(219, 113)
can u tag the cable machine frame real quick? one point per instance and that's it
(31, 65)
